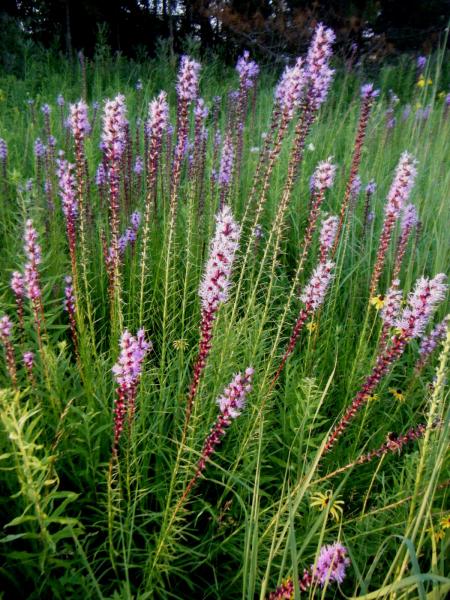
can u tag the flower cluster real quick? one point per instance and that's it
(331, 564)
(158, 116)
(127, 373)
(216, 280)
(114, 127)
(391, 305)
(328, 236)
(315, 291)
(289, 91)
(6, 327)
(368, 92)
(422, 302)
(230, 403)
(130, 235)
(330, 567)
(323, 176)
(3, 150)
(226, 163)
(402, 185)
(247, 70)
(79, 121)
(33, 254)
(67, 190)
(429, 342)
(318, 72)
(409, 218)
(187, 84)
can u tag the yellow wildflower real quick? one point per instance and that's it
(445, 522)
(323, 501)
(311, 326)
(398, 394)
(372, 397)
(377, 302)
(421, 82)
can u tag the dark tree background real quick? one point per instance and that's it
(267, 27)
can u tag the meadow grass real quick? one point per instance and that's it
(76, 521)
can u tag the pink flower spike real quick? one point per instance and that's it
(187, 85)
(215, 285)
(392, 303)
(5, 329)
(422, 303)
(331, 564)
(158, 116)
(402, 185)
(18, 284)
(323, 176)
(290, 90)
(327, 236)
(314, 293)
(28, 360)
(79, 122)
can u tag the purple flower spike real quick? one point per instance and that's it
(79, 122)
(421, 63)
(327, 236)
(138, 165)
(371, 187)
(317, 64)
(158, 115)
(368, 92)
(422, 303)
(402, 185)
(331, 564)
(324, 175)
(5, 329)
(46, 109)
(3, 150)
(39, 148)
(314, 293)
(28, 360)
(114, 127)
(247, 70)
(290, 90)
(226, 163)
(187, 85)
(392, 303)
(430, 342)
(216, 282)
(18, 284)
(60, 100)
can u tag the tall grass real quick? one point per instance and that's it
(82, 519)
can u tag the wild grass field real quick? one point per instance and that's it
(155, 246)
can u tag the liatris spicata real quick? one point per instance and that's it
(321, 180)
(130, 235)
(231, 403)
(430, 342)
(70, 308)
(127, 373)
(114, 141)
(329, 567)
(398, 195)
(408, 222)
(290, 90)
(67, 192)
(312, 297)
(187, 83)
(31, 273)
(226, 169)
(327, 236)
(6, 327)
(370, 190)
(390, 311)
(422, 302)
(79, 121)
(18, 288)
(248, 71)
(28, 362)
(368, 96)
(3, 157)
(214, 289)
(318, 71)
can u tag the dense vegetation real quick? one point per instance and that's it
(108, 487)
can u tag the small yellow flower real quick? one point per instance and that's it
(377, 302)
(421, 82)
(441, 95)
(439, 535)
(429, 81)
(445, 522)
(398, 394)
(372, 397)
(323, 501)
(180, 344)
(311, 327)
